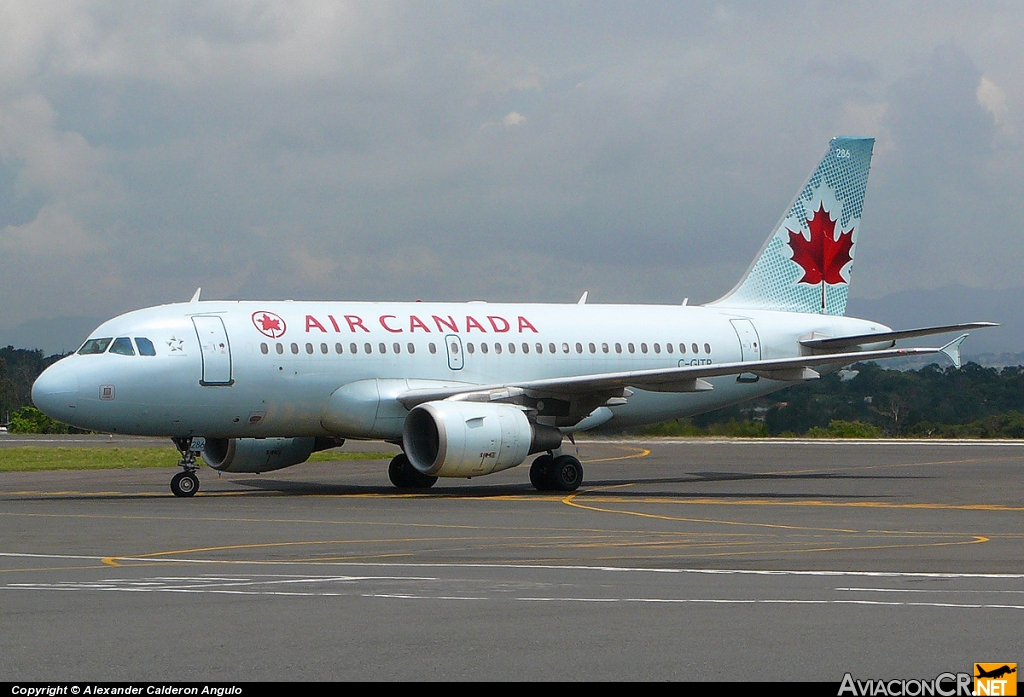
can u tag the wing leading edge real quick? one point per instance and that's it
(681, 379)
(841, 342)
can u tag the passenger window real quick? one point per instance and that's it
(309, 349)
(396, 347)
(707, 348)
(368, 347)
(280, 348)
(657, 348)
(511, 347)
(497, 347)
(338, 349)
(122, 346)
(682, 348)
(668, 347)
(454, 347)
(382, 347)
(694, 347)
(579, 347)
(146, 347)
(295, 348)
(353, 349)
(412, 347)
(264, 349)
(432, 347)
(604, 348)
(526, 347)
(565, 347)
(93, 346)
(539, 347)
(631, 347)
(593, 349)
(643, 348)
(470, 348)
(618, 348)
(323, 349)
(551, 348)
(483, 347)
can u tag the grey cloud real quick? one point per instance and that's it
(360, 150)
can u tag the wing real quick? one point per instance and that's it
(601, 387)
(841, 342)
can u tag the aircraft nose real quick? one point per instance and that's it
(55, 392)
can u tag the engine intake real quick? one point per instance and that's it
(470, 439)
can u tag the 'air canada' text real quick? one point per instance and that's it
(394, 324)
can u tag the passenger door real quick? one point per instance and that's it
(215, 349)
(750, 346)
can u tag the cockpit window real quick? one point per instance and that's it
(146, 347)
(122, 346)
(94, 346)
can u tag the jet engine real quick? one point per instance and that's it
(470, 439)
(261, 454)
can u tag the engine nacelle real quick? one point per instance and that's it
(470, 439)
(257, 454)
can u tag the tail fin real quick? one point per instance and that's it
(806, 264)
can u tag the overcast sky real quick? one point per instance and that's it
(490, 150)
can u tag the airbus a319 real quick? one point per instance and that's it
(468, 389)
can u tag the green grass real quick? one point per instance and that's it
(30, 458)
(340, 456)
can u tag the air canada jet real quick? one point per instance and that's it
(468, 389)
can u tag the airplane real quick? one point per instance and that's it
(995, 673)
(469, 389)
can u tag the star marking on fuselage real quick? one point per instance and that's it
(176, 344)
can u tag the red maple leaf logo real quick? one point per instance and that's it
(823, 256)
(269, 324)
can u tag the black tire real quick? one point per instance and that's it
(566, 473)
(540, 473)
(184, 484)
(404, 476)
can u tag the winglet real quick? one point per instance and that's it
(583, 298)
(952, 350)
(195, 298)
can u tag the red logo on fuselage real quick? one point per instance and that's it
(269, 324)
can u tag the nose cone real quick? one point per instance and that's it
(55, 392)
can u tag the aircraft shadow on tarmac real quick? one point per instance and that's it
(680, 487)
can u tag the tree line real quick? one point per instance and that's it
(871, 401)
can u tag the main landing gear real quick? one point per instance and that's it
(405, 476)
(185, 483)
(556, 473)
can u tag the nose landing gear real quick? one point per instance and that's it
(186, 483)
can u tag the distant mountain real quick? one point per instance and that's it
(949, 305)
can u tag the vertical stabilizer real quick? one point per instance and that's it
(806, 264)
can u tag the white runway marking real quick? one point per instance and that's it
(355, 586)
(530, 583)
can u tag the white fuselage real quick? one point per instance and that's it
(267, 369)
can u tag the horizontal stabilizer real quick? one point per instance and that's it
(841, 342)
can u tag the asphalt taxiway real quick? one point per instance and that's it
(677, 559)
